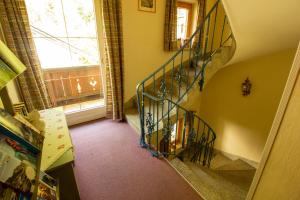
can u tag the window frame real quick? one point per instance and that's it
(189, 7)
(68, 37)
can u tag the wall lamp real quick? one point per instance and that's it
(246, 87)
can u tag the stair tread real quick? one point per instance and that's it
(235, 165)
(219, 160)
(242, 178)
(209, 184)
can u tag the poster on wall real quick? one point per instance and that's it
(147, 5)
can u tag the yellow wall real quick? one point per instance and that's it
(143, 43)
(242, 123)
(281, 176)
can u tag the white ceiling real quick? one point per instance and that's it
(263, 26)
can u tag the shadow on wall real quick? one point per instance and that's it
(242, 123)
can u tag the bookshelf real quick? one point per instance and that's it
(20, 160)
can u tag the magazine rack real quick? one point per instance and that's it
(20, 159)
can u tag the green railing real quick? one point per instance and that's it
(169, 84)
(181, 132)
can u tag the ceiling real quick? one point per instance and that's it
(263, 27)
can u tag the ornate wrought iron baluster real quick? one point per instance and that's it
(176, 133)
(180, 77)
(224, 23)
(184, 130)
(157, 126)
(172, 80)
(163, 89)
(166, 132)
(149, 124)
(142, 116)
(213, 34)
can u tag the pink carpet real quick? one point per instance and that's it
(110, 165)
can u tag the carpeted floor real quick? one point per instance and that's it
(110, 165)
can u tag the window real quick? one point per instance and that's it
(64, 32)
(65, 36)
(184, 20)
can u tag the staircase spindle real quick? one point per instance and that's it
(172, 80)
(154, 85)
(197, 133)
(213, 34)
(143, 144)
(157, 126)
(176, 131)
(184, 129)
(223, 27)
(206, 36)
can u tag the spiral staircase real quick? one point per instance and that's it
(166, 127)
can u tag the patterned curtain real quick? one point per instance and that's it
(200, 18)
(170, 34)
(16, 29)
(114, 61)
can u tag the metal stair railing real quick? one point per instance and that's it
(181, 133)
(174, 79)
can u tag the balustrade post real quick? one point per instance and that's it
(142, 119)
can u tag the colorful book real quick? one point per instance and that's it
(18, 165)
(47, 189)
(46, 192)
(9, 193)
(20, 132)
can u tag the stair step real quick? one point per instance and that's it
(132, 117)
(207, 183)
(217, 187)
(187, 173)
(235, 165)
(219, 160)
(242, 178)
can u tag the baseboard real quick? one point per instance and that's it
(85, 115)
(235, 157)
(137, 130)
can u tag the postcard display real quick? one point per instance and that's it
(20, 158)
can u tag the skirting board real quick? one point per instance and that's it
(85, 115)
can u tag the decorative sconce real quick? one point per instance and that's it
(246, 87)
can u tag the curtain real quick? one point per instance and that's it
(170, 31)
(16, 29)
(200, 17)
(114, 58)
